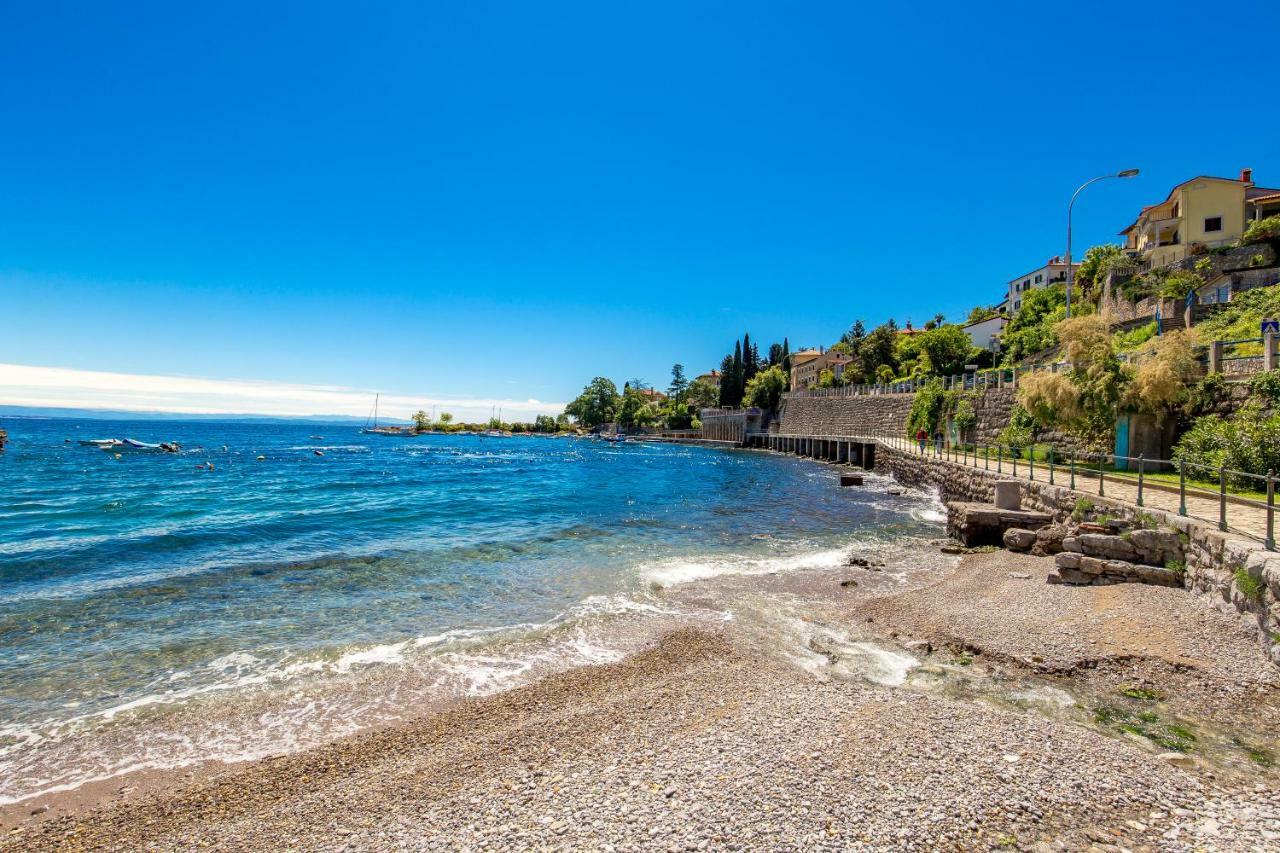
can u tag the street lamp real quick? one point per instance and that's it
(1126, 173)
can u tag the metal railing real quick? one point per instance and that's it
(1202, 491)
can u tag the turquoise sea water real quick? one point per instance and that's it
(154, 612)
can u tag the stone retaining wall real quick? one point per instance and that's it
(1213, 558)
(846, 415)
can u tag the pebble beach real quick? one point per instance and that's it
(701, 742)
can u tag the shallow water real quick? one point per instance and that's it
(154, 613)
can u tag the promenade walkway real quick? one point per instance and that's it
(1243, 516)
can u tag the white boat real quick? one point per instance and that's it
(131, 445)
(103, 443)
(615, 438)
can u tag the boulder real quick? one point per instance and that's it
(1049, 540)
(1017, 539)
(985, 524)
(1106, 547)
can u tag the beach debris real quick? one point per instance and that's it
(849, 582)
(261, 458)
(318, 452)
(863, 563)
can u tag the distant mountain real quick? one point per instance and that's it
(117, 415)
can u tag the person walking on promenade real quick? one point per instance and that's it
(921, 437)
(937, 443)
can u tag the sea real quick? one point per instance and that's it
(273, 586)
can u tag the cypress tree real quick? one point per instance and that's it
(726, 379)
(739, 384)
(786, 357)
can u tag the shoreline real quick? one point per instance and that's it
(654, 735)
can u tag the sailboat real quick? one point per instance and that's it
(375, 429)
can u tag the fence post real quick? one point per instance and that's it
(1072, 463)
(1215, 357)
(1271, 509)
(1222, 498)
(999, 458)
(1013, 457)
(1141, 470)
(1182, 487)
(1031, 456)
(1269, 351)
(1051, 454)
(986, 457)
(1102, 459)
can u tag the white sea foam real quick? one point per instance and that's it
(676, 572)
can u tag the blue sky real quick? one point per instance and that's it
(501, 200)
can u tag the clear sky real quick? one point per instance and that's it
(501, 200)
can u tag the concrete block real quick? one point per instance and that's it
(1008, 494)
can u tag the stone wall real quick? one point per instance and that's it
(1213, 558)
(846, 415)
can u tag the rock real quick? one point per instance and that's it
(1090, 527)
(953, 549)
(1020, 576)
(919, 646)
(851, 479)
(849, 582)
(1071, 543)
(1107, 547)
(39, 810)
(984, 524)
(1051, 537)
(1017, 539)
(1177, 759)
(1008, 494)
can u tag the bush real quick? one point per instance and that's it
(1248, 440)
(1050, 398)
(1205, 394)
(965, 417)
(1249, 586)
(1267, 386)
(1262, 231)
(1135, 338)
(927, 408)
(1178, 283)
(764, 390)
(1163, 380)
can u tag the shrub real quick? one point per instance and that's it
(1084, 506)
(1258, 260)
(1267, 386)
(1162, 381)
(1262, 230)
(926, 408)
(1178, 283)
(1050, 398)
(1249, 586)
(1248, 440)
(965, 417)
(764, 390)
(1205, 394)
(1136, 337)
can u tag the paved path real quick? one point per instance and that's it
(1245, 517)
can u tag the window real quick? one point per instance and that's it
(1039, 278)
(1212, 223)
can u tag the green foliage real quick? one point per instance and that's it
(1134, 338)
(938, 351)
(544, 423)
(1096, 264)
(1144, 693)
(1205, 394)
(964, 417)
(421, 421)
(1267, 386)
(1178, 567)
(1248, 440)
(704, 394)
(1178, 283)
(1032, 328)
(981, 312)
(1249, 586)
(1083, 507)
(597, 404)
(679, 386)
(765, 389)
(927, 408)
(1261, 231)
(1241, 317)
(636, 410)
(884, 374)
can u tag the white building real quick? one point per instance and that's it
(1054, 272)
(983, 332)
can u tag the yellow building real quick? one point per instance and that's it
(1203, 212)
(807, 365)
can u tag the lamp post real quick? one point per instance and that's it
(1127, 173)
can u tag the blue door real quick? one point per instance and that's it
(1122, 442)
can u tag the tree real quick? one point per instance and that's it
(786, 357)
(981, 312)
(1032, 328)
(1097, 261)
(679, 386)
(421, 421)
(544, 423)
(703, 394)
(853, 337)
(750, 359)
(731, 393)
(765, 389)
(597, 404)
(775, 354)
(726, 380)
(634, 410)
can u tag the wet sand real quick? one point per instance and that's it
(707, 741)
